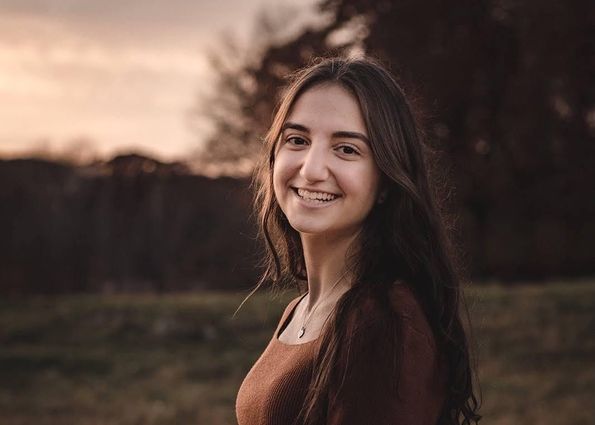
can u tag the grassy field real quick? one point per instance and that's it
(179, 359)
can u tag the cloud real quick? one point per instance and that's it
(135, 21)
(123, 73)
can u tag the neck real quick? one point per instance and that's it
(326, 264)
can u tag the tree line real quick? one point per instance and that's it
(503, 91)
(504, 94)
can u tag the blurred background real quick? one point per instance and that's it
(128, 131)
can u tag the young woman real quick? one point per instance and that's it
(349, 219)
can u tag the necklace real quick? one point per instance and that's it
(302, 330)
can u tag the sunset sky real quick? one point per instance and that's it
(112, 76)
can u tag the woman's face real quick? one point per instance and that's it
(325, 178)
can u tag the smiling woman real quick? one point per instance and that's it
(349, 219)
(325, 177)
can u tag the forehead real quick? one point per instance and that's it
(328, 108)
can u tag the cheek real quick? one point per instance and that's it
(276, 181)
(280, 176)
(283, 170)
(364, 182)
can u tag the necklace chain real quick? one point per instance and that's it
(302, 330)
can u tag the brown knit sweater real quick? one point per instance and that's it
(274, 389)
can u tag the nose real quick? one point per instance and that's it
(315, 166)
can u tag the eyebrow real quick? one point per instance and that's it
(337, 134)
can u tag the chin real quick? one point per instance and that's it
(301, 226)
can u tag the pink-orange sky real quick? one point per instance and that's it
(107, 76)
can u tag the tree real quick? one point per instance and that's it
(247, 79)
(504, 89)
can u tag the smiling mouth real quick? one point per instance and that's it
(315, 197)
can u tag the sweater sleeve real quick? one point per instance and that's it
(367, 393)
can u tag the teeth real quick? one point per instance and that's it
(316, 196)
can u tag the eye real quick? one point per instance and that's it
(296, 140)
(348, 150)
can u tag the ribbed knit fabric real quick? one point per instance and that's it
(274, 389)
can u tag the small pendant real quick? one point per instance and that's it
(301, 332)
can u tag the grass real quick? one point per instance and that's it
(177, 359)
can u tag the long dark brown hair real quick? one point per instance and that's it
(403, 238)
